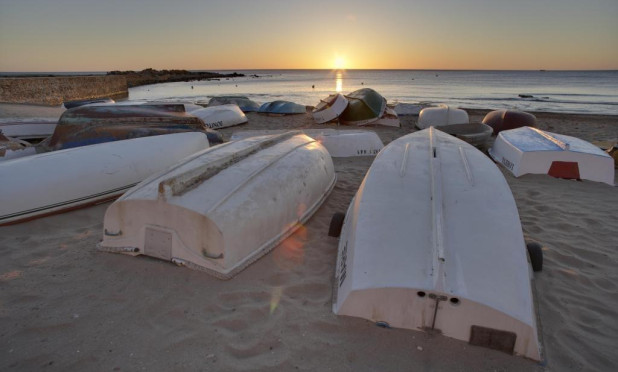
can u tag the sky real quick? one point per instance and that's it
(106, 35)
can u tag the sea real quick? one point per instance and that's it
(584, 92)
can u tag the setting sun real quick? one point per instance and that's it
(339, 63)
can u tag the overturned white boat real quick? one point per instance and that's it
(57, 181)
(403, 109)
(245, 104)
(28, 129)
(410, 255)
(330, 108)
(530, 150)
(225, 207)
(221, 116)
(441, 115)
(339, 143)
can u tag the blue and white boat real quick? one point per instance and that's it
(282, 108)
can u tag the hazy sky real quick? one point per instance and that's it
(104, 35)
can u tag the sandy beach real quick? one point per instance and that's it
(66, 306)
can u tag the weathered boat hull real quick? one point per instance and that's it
(529, 150)
(330, 108)
(440, 116)
(221, 116)
(364, 107)
(282, 108)
(28, 129)
(225, 207)
(475, 134)
(339, 143)
(83, 102)
(92, 124)
(245, 104)
(403, 109)
(501, 120)
(43, 184)
(436, 268)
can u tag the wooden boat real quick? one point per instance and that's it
(28, 129)
(530, 150)
(364, 107)
(501, 120)
(86, 125)
(339, 143)
(221, 116)
(475, 134)
(330, 108)
(389, 118)
(43, 184)
(440, 116)
(282, 108)
(245, 104)
(225, 207)
(411, 257)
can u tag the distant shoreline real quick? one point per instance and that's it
(138, 78)
(9, 74)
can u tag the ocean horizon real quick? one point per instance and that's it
(563, 91)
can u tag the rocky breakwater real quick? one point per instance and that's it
(53, 90)
(151, 76)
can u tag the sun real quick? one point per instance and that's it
(339, 63)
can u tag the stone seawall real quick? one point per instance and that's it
(53, 91)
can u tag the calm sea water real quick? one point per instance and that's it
(590, 92)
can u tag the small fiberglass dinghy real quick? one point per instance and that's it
(330, 108)
(530, 150)
(411, 257)
(339, 143)
(225, 207)
(43, 184)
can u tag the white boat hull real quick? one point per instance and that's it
(403, 109)
(221, 116)
(225, 207)
(28, 129)
(339, 143)
(48, 183)
(442, 115)
(330, 108)
(528, 150)
(411, 256)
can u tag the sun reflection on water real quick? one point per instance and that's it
(339, 82)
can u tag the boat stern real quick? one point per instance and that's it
(165, 231)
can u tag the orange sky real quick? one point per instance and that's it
(93, 35)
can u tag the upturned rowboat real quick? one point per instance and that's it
(225, 207)
(411, 257)
(330, 108)
(57, 181)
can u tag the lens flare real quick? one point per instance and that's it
(275, 298)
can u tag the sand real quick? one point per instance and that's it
(66, 306)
